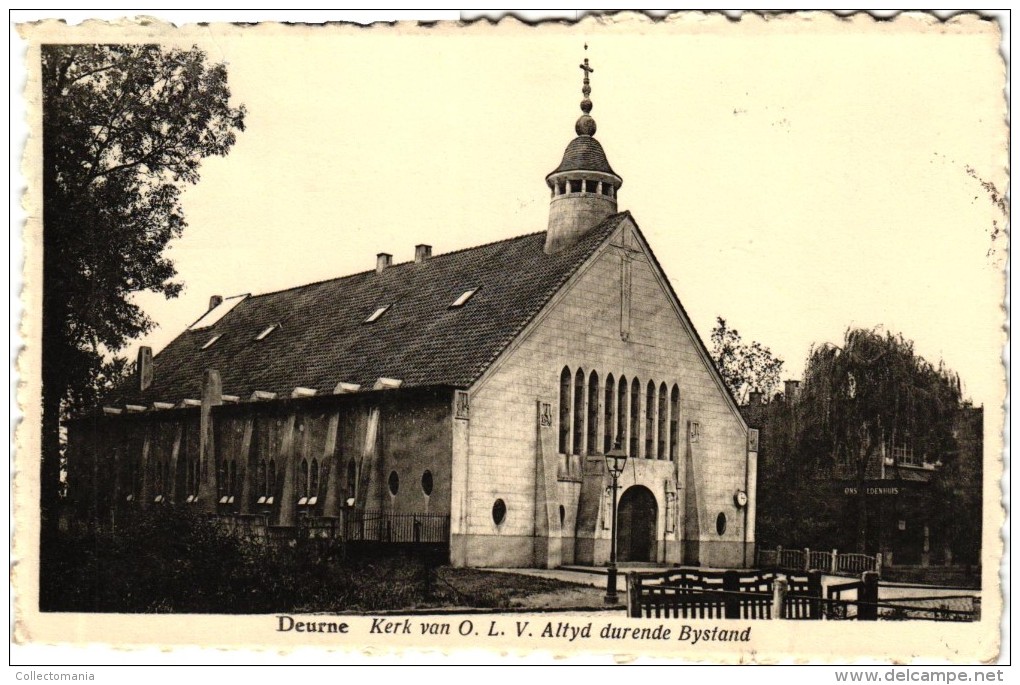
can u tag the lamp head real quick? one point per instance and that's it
(616, 459)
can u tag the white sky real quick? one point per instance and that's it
(793, 178)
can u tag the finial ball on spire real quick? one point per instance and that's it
(585, 126)
(586, 106)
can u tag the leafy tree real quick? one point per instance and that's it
(125, 127)
(874, 390)
(745, 367)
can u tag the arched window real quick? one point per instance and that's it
(157, 479)
(593, 413)
(302, 483)
(161, 489)
(621, 412)
(352, 479)
(133, 481)
(578, 412)
(192, 476)
(565, 411)
(262, 482)
(221, 481)
(660, 453)
(635, 415)
(226, 481)
(674, 422)
(650, 421)
(607, 443)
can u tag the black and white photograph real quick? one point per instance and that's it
(668, 337)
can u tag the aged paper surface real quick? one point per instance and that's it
(800, 174)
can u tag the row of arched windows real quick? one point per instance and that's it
(582, 186)
(595, 412)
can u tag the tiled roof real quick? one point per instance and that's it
(584, 153)
(322, 338)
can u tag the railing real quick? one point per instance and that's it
(397, 528)
(368, 526)
(791, 559)
(833, 563)
(820, 560)
(854, 564)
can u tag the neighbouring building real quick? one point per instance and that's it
(479, 388)
(924, 510)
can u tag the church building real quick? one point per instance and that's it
(480, 389)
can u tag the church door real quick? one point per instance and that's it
(637, 514)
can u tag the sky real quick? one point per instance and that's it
(794, 177)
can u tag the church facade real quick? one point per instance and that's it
(480, 388)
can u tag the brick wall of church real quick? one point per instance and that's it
(582, 329)
(279, 458)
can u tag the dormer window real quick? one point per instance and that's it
(266, 331)
(463, 297)
(374, 316)
(211, 342)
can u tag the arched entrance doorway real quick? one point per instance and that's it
(637, 514)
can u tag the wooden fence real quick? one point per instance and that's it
(833, 563)
(692, 593)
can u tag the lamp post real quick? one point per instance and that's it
(616, 459)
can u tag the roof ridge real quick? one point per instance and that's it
(392, 266)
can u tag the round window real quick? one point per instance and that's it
(394, 482)
(426, 483)
(720, 523)
(498, 511)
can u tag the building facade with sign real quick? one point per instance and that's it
(923, 510)
(480, 388)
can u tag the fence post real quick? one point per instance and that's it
(731, 603)
(633, 595)
(779, 588)
(975, 611)
(878, 564)
(814, 579)
(779, 556)
(835, 566)
(867, 597)
(807, 558)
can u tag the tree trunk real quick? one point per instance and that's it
(862, 519)
(862, 500)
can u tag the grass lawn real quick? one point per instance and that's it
(172, 562)
(489, 589)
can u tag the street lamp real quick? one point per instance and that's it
(616, 459)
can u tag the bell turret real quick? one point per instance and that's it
(584, 187)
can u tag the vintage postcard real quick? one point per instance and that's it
(677, 338)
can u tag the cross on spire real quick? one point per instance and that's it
(586, 85)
